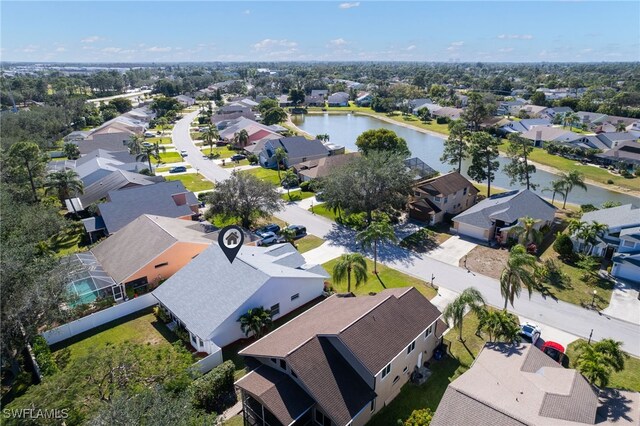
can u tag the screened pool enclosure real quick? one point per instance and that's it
(89, 280)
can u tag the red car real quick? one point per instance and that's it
(554, 350)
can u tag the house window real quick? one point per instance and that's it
(446, 199)
(437, 199)
(416, 193)
(411, 347)
(193, 338)
(428, 332)
(295, 296)
(464, 191)
(160, 265)
(404, 370)
(283, 364)
(273, 360)
(386, 371)
(200, 342)
(373, 404)
(275, 310)
(322, 420)
(627, 243)
(396, 379)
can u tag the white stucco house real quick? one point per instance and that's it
(209, 295)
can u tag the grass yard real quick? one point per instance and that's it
(141, 327)
(222, 151)
(231, 164)
(323, 210)
(414, 397)
(308, 242)
(196, 135)
(386, 278)
(170, 157)
(265, 174)
(193, 182)
(234, 421)
(69, 241)
(628, 379)
(297, 195)
(165, 140)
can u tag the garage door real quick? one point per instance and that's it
(471, 231)
(626, 271)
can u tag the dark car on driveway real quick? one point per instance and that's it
(300, 230)
(272, 227)
(178, 169)
(238, 157)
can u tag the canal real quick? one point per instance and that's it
(345, 128)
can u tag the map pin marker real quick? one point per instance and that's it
(230, 240)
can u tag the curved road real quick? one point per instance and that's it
(561, 315)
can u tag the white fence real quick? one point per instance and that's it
(209, 362)
(97, 319)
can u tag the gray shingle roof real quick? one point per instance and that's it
(622, 216)
(298, 146)
(507, 207)
(115, 180)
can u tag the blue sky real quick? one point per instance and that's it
(147, 31)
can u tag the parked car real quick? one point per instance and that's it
(238, 157)
(184, 153)
(178, 169)
(300, 230)
(148, 135)
(554, 350)
(530, 332)
(320, 196)
(147, 144)
(267, 239)
(272, 227)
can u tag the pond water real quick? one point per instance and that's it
(345, 128)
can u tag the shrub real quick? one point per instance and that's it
(586, 208)
(43, 356)
(182, 334)
(253, 159)
(305, 186)
(442, 120)
(610, 182)
(161, 314)
(637, 172)
(214, 391)
(204, 195)
(418, 418)
(563, 246)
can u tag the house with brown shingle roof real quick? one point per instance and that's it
(341, 361)
(433, 198)
(516, 385)
(322, 167)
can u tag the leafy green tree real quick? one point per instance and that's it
(483, 150)
(477, 110)
(346, 265)
(256, 321)
(280, 155)
(454, 312)
(598, 361)
(25, 162)
(65, 184)
(420, 417)
(121, 105)
(557, 187)
(382, 140)
(519, 169)
(241, 139)
(245, 197)
(569, 181)
(377, 232)
(267, 104)
(149, 152)
(274, 116)
(290, 180)
(71, 150)
(563, 246)
(164, 105)
(499, 325)
(214, 391)
(455, 147)
(539, 99)
(135, 144)
(518, 272)
(289, 235)
(296, 96)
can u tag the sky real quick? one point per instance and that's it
(203, 31)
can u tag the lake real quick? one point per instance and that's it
(345, 128)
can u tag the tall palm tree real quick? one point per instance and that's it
(596, 362)
(65, 184)
(280, 155)
(289, 180)
(526, 231)
(348, 263)
(135, 144)
(454, 312)
(570, 180)
(289, 235)
(500, 325)
(621, 127)
(241, 139)
(323, 137)
(571, 119)
(592, 232)
(210, 137)
(376, 232)
(149, 152)
(256, 321)
(518, 272)
(557, 187)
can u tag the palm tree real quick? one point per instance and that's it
(517, 272)
(557, 187)
(289, 235)
(149, 152)
(135, 144)
(241, 139)
(454, 312)
(571, 180)
(596, 362)
(65, 184)
(323, 137)
(592, 232)
(621, 127)
(348, 263)
(256, 321)
(210, 138)
(500, 325)
(280, 155)
(376, 232)
(570, 118)
(526, 232)
(290, 179)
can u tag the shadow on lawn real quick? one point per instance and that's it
(343, 236)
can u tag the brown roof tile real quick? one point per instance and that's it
(445, 185)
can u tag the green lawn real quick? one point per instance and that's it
(69, 241)
(308, 242)
(170, 157)
(269, 175)
(234, 421)
(386, 278)
(428, 395)
(140, 327)
(322, 210)
(193, 182)
(231, 164)
(297, 195)
(628, 379)
(195, 135)
(483, 189)
(165, 140)
(222, 151)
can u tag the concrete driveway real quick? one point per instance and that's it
(452, 250)
(548, 333)
(624, 302)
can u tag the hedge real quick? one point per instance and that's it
(214, 391)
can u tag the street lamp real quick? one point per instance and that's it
(593, 301)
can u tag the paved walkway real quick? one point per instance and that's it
(230, 412)
(624, 303)
(452, 250)
(326, 252)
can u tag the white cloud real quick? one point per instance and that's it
(506, 50)
(111, 49)
(338, 42)
(515, 36)
(29, 48)
(349, 5)
(246, 12)
(456, 45)
(268, 44)
(410, 48)
(587, 50)
(60, 49)
(91, 39)
(157, 49)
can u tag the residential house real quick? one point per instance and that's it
(233, 108)
(516, 385)
(314, 101)
(621, 242)
(492, 218)
(256, 131)
(298, 149)
(524, 125)
(613, 139)
(634, 129)
(533, 111)
(209, 295)
(249, 103)
(430, 106)
(627, 153)
(283, 101)
(100, 163)
(222, 121)
(148, 250)
(169, 199)
(143, 114)
(117, 179)
(510, 107)
(448, 112)
(338, 99)
(591, 119)
(185, 101)
(322, 167)
(539, 135)
(76, 136)
(364, 100)
(419, 169)
(111, 137)
(340, 362)
(553, 112)
(320, 92)
(434, 198)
